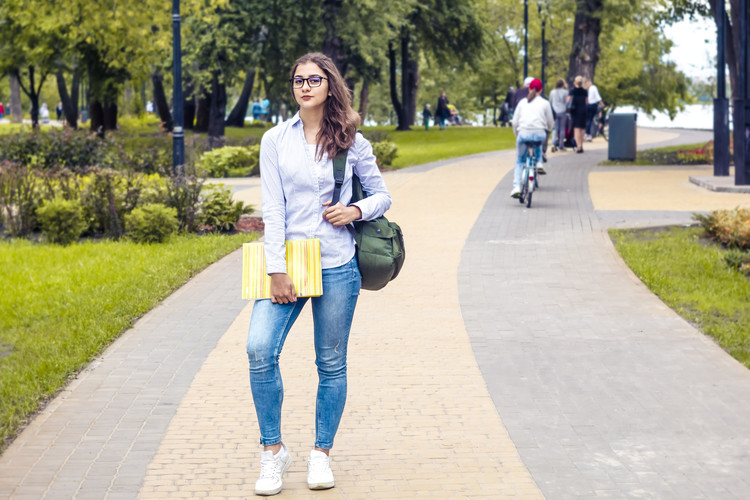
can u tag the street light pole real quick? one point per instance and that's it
(741, 177)
(178, 134)
(721, 104)
(525, 38)
(544, 44)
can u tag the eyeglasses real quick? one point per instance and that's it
(313, 81)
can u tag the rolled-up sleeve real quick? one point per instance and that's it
(274, 206)
(378, 199)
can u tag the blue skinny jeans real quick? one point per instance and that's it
(332, 320)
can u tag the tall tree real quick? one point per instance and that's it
(30, 41)
(450, 31)
(587, 26)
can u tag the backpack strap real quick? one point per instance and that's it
(339, 169)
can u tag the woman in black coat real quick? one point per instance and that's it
(578, 99)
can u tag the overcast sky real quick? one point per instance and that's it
(695, 47)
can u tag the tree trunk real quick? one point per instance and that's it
(202, 116)
(188, 106)
(237, 116)
(110, 116)
(33, 93)
(412, 87)
(364, 95)
(216, 114)
(584, 53)
(96, 116)
(392, 80)
(69, 101)
(403, 118)
(333, 45)
(160, 100)
(16, 112)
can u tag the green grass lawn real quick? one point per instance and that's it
(61, 306)
(690, 276)
(418, 146)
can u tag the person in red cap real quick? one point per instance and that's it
(532, 121)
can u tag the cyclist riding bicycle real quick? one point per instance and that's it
(532, 121)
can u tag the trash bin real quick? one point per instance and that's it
(622, 136)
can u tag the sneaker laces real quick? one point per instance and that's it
(319, 464)
(270, 468)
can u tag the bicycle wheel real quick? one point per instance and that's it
(528, 199)
(524, 185)
(530, 184)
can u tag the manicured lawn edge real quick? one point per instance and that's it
(689, 274)
(62, 306)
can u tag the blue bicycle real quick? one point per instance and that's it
(529, 176)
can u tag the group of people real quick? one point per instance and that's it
(445, 113)
(261, 109)
(533, 117)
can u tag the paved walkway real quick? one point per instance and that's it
(599, 390)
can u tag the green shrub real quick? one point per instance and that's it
(61, 221)
(731, 228)
(738, 259)
(385, 152)
(218, 211)
(20, 197)
(152, 223)
(376, 135)
(231, 161)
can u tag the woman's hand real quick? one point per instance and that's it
(339, 215)
(282, 289)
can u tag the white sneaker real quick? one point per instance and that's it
(272, 468)
(516, 192)
(319, 475)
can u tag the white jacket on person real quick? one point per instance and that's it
(533, 117)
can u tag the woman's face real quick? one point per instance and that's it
(309, 97)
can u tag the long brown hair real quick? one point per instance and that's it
(340, 121)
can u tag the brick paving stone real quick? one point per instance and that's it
(604, 390)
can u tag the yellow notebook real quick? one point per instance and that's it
(302, 265)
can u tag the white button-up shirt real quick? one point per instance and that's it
(295, 186)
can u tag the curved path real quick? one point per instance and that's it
(599, 390)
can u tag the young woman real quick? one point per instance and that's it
(296, 166)
(579, 97)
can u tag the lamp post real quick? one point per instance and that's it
(721, 104)
(178, 133)
(544, 44)
(525, 38)
(741, 115)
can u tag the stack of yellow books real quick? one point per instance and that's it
(302, 264)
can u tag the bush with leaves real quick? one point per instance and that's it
(738, 259)
(231, 161)
(61, 221)
(19, 197)
(731, 228)
(385, 152)
(218, 211)
(152, 223)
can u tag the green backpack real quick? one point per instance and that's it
(380, 243)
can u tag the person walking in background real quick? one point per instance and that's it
(592, 108)
(578, 101)
(505, 108)
(532, 121)
(59, 111)
(265, 109)
(558, 99)
(521, 93)
(256, 110)
(442, 113)
(2, 111)
(426, 116)
(44, 113)
(297, 186)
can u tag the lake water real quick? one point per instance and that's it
(695, 116)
